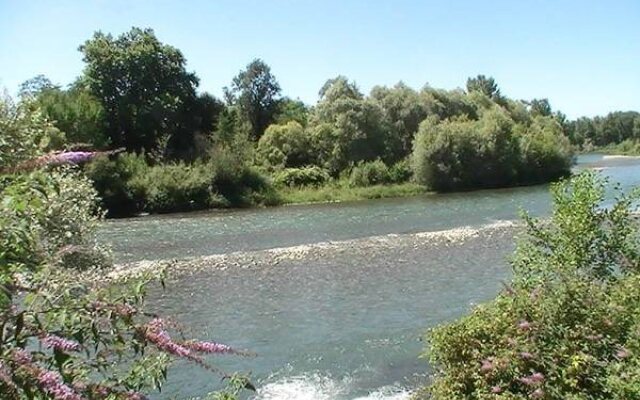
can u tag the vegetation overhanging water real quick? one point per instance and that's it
(340, 321)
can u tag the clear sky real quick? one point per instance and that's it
(582, 55)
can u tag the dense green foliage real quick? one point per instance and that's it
(128, 185)
(255, 91)
(68, 330)
(135, 93)
(77, 113)
(306, 176)
(24, 133)
(614, 128)
(370, 173)
(492, 151)
(146, 93)
(286, 146)
(567, 327)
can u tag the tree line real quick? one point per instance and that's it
(135, 93)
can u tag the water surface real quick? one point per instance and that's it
(341, 322)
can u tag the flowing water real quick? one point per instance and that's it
(333, 298)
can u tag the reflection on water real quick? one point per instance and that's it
(344, 324)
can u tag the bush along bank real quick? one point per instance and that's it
(567, 326)
(127, 185)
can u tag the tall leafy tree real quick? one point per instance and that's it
(34, 86)
(485, 85)
(256, 92)
(540, 107)
(142, 85)
(348, 128)
(404, 110)
(292, 110)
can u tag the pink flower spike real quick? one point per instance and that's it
(135, 396)
(487, 366)
(537, 394)
(208, 347)
(6, 376)
(537, 377)
(51, 383)
(22, 357)
(622, 353)
(58, 343)
(496, 389)
(525, 355)
(524, 325)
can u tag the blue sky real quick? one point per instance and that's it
(582, 55)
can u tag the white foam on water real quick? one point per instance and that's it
(302, 387)
(387, 393)
(317, 387)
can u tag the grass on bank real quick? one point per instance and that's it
(626, 148)
(340, 191)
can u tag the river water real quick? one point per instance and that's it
(333, 298)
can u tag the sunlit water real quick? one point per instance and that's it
(339, 320)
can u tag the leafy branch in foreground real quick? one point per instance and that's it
(66, 331)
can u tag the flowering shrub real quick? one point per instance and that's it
(568, 326)
(67, 332)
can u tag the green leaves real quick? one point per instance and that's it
(142, 85)
(569, 318)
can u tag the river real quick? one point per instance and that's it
(333, 298)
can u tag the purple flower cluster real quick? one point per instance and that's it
(537, 394)
(134, 396)
(525, 355)
(67, 157)
(125, 310)
(163, 341)
(51, 383)
(58, 343)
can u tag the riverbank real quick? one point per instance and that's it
(630, 148)
(338, 192)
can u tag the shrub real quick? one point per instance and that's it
(240, 184)
(174, 187)
(286, 145)
(489, 152)
(112, 179)
(567, 326)
(545, 152)
(370, 173)
(307, 176)
(400, 172)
